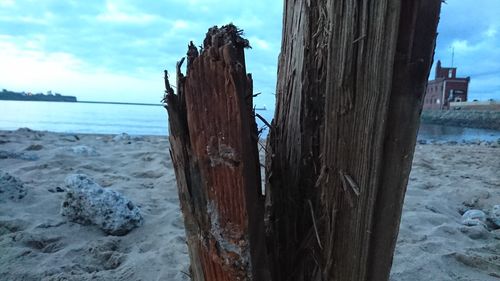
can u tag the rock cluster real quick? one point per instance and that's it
(480, 218)
(494, 217)
(18, 155)
(11, 188)
(122, 137)
(84, 150)
(126, 138)
(489, 143)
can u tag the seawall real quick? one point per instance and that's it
(484, 119)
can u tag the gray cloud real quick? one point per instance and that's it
(141, 38)
(472, 30)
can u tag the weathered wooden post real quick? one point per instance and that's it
(213, 139)
(351, 80)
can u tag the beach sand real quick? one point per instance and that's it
(37, 243)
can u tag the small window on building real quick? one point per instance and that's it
(438, 101)
(450, 73)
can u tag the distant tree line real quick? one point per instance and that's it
(23, 96)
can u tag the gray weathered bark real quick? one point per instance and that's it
(351, 80)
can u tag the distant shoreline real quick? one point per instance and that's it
(136, 103)
(15, 96)
(95, 102)
(148, 104)
(122, 103)
(482, 119)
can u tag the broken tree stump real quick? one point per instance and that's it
(213, 138)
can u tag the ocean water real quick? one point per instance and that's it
(88, 117)
(83, 117)
(152, 120)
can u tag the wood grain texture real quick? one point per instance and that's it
(351, 80)
(213, 140)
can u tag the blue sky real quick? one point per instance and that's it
(117, 50)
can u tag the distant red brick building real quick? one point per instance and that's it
(445, 88)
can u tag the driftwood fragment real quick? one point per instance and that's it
(216, 160)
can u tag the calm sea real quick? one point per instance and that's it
(152, 120)
(88, 117)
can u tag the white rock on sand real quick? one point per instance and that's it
(84, 150)
(495, 216)
(122, 137)
(37, 243)
(474, 217)
(86, 202)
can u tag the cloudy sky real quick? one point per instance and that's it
(116, 50)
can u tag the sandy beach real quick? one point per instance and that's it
(38, 243)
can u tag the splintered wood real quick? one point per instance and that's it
(213, 139)
(351, 80)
